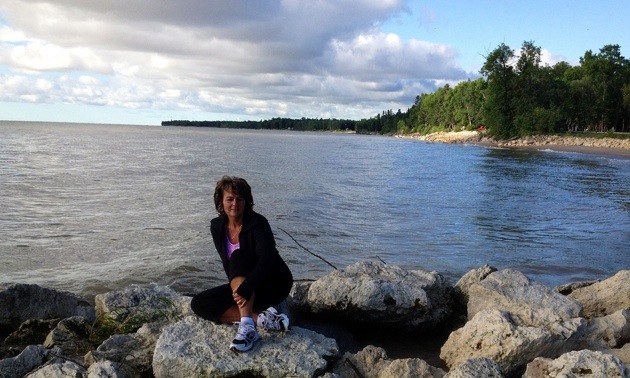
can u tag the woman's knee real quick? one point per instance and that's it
(196, 304)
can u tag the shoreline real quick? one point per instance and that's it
(584, 145)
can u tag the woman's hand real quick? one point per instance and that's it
(240, 301)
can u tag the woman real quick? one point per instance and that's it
(258, 277)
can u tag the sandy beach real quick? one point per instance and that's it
(598, 146)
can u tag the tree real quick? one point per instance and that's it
(609, 72)
(499, 111)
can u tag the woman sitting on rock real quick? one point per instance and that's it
(258, 277)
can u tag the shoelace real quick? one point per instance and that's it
(270, 320)
(244, 329)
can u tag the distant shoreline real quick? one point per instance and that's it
(585, 145)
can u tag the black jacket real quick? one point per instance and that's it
(256, 239)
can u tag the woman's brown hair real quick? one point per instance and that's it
(235, 185)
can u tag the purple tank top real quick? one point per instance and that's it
(229, 247)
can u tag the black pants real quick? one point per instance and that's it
(212, 303)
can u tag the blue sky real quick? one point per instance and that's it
(144, 61)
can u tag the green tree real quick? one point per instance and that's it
(499, 111)
(609, 72)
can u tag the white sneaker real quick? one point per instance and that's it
(271, 320)
(245, 337)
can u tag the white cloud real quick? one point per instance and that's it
(549, 58)
(274, 58)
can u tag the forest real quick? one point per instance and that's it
(515, 96)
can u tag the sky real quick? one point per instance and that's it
(146, 61)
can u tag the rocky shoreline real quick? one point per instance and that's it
(604, 146)
(496, 324)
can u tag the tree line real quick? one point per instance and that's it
(516, 96)
(303, 124)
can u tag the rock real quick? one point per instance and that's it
(476, 367)
(460, 291)
(567, 289)
(104, 369)
(66, 369)
(131, 354)
(622, 353)
(493, 334)
(369, 293)
(21, 302)
(373, 362)
(584, 363)
(514, 320)
(31, 332)
(604, 297)
(147, 304)
(194, 347)
(71, 335)
(528, 302)
(610, 331)
(298, 296)
(30, 358)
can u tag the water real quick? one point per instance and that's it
(92, 208)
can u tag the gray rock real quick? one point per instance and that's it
(373, 362)
(104, 369)
(31, 357)
(132, 354)
(31, 332)
(567, 289)
(622, 353)
(460, 291)
(369, 293)
(604, 297)
(194, 347)
(71, 336)
(298, 297)
(611, 331)
(66, 369)
(584, 363)
(148, 304)
(528, 302)
(476, 367)
(493, 334)
(21, 302)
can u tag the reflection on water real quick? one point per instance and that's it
(91, 208)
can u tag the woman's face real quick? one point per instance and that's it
(233, 205)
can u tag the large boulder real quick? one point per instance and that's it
(31, 358)
(494, 335)
(21, 302)
(387, 296)
(373, 362)
(144, 303)
(583, 363)
(528, 302)
(611, 331)
(460, 291)
(130, 354)
(31, 332)
(71, 336)
(513, 320)
(194, 347)
(604, 297)
(62, 369)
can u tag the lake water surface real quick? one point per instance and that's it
(91, 208)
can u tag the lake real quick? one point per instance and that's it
(91, 208)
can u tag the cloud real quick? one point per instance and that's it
(549, 58)
(261, 59)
